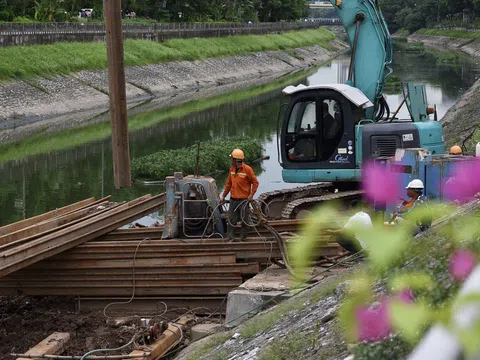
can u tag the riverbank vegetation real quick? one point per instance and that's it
(413, 15)
(22, 62)
(456, 34)
(214, 156)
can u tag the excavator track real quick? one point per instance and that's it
(274, 202)
(293, 208)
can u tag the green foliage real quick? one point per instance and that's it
(214, 156)
(393, 82)
(21, 62)
(4, 15)
(22, 19)
(414, 280)
(410, 319)
(392, 348)
(171, 10)
(49, 10)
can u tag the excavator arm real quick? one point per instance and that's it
(371, 46)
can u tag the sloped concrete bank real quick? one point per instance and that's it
(461, 119)
(52, 104)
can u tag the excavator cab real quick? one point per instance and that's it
(318, 132)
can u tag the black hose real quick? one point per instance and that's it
(382, 109)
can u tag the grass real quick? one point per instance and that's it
(24, 62)
(289, 347)
(411, 47)
(456, 34)
(44, 143)
(447, 57)
(212, 158)
(211, 343)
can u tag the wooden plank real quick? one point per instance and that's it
(47, 246)
(48, 215)
(44, 226)
(52, 345)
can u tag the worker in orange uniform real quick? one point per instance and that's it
(456, 150)
(243, 184)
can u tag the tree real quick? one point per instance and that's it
(49, 10)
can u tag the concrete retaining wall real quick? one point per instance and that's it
(47, 33)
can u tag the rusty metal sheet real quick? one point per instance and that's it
(187, 289)
(52, 244)
(48, 215)
(46, 227)
(171, 260)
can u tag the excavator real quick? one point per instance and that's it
(329, 131)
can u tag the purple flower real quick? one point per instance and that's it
(465, 181)
(373, 323)
(462, 263)
(406, 296)
(380, 184)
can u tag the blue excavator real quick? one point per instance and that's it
(329, 131)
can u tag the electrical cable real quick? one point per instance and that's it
(349, 258)
(133, 280)
(85, 356)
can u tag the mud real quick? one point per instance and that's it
(25, 321)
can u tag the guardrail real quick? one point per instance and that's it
(44, 33)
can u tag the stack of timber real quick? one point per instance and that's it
(82, 252)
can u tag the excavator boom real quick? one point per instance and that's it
(371, 46)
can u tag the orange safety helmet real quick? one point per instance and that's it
(238, 154)
(455, 150)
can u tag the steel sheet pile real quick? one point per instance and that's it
(80, 251)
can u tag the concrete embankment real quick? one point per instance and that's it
(56, 103)
(461, 119)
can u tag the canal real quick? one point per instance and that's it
(52, 170)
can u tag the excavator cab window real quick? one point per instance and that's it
(315, 128)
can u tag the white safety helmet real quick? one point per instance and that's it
(415, 184)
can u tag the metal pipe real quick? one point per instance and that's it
(358, 19)
(397, 111)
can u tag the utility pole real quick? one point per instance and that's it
(118, 98)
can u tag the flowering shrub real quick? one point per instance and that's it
(406, 284)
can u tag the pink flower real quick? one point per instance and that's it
(462, 264)
(373, 324)
(406, 296)
(465, 181)
(380, 184)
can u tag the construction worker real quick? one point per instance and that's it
(243, 184)
(456, 150)
(348, 237)
(415, 191)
